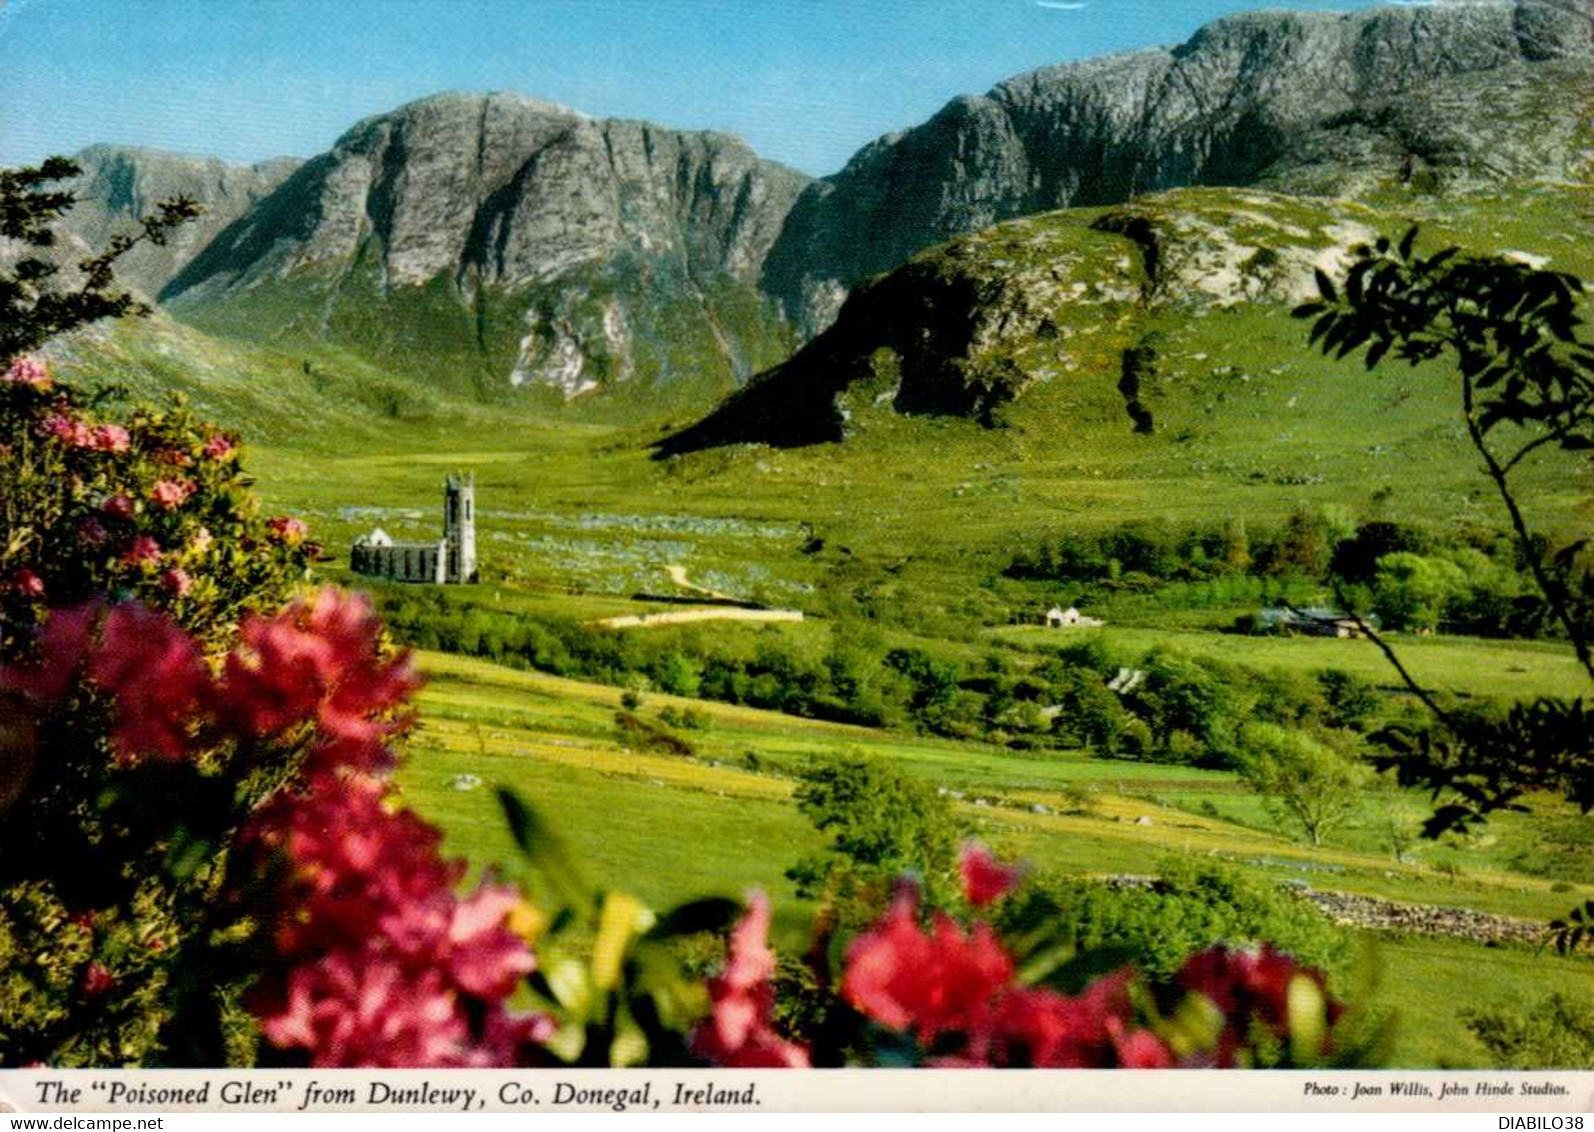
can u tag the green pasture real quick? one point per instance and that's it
(668, 827)
(1460, 665)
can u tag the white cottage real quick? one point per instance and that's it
(1070, 618)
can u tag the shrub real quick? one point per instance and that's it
(881, 824)
(1188, 907)
(130, 552)
(1557, 1032)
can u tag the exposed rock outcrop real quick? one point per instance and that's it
(1318, 102)
(560, 249)
(120, 185)
(964, 328)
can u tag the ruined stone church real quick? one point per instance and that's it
(451, 560)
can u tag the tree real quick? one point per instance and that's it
(1308, 782)
(33, 307)
(881, 824)
(1411, 591)
(1526, 386)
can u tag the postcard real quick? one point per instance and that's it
(676, 555)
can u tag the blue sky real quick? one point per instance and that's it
(805, 81)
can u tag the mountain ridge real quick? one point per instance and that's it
(1225, 107)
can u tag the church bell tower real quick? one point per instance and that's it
(459, 526)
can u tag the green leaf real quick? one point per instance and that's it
(712, 914)
(544, 849)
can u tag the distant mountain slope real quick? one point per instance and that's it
(1077, 300)
(121, 184)
(1300, 101)
(508, 240)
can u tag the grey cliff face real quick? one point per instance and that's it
(1253, 99)
(119, 185)
(503, 192)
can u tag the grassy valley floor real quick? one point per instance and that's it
(667, 827)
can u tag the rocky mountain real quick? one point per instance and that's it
(1314, 102)
(121, 184)
(508, 240)
(1074, 307)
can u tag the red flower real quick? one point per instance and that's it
(740, 1033)
(176, 582)
(386, 966)
(171, 494)
(92, 532)
(218, 447)
(74, 434)
(484, 957)
(28, 371)
(320, 658)
(985, 879)
(27, 583)
(142, 551)
(290, 531)
(349, 1011)
(1246, 985)
(118, 506)
(96, 981)
(159, 680)
(110, 438)
(1039, 1028)
(932, 983)
(62, 644)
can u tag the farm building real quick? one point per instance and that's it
(1313, 622)
(1070, 618)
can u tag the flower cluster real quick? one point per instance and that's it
(129, 506)
(740, 1032)
(956, 992)
(385, 966)
(378, 961)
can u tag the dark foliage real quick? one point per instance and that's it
(34, 307)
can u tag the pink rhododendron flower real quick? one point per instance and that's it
(350, 1010)
(740, 1032)
(171, 494)
(92, 533)
(27, 583)
(96, 981)
(985, 879)
(63, 643)
(28, 371)
(176, 582)
(484, 957)
(320, 658)
(956, 992)
(118, 506)
(110, 438)
(930, 982)
(1246, 984)
(74, 434)
(158, 678)
(290, 531)
(142, 551)
(387, 967)
(218, 447)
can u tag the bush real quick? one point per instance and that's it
(1188, 907)
(1557, 1032)
(881, 824)
(130, 538)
